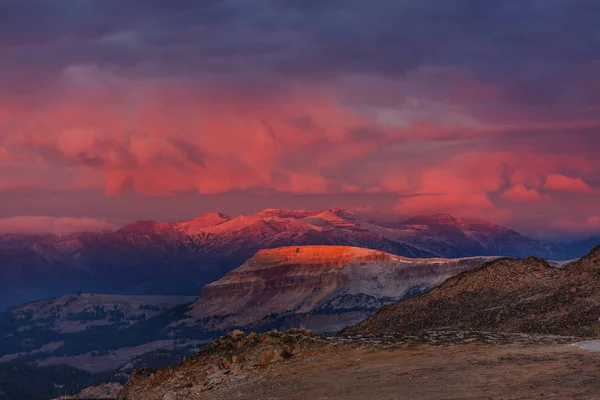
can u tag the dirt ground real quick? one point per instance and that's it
(468, 371)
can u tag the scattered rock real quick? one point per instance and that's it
(169, 396)
(220, 364)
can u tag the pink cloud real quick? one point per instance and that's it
(564, 183)
(521, 194)
(53, 225)
(386, 138)
(5, 155)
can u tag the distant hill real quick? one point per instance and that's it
(86, 330)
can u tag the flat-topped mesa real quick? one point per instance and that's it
(340, 282)
(293, 267)
(315, 256)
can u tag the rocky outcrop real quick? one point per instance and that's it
(527, 295)
(223, 363)
(322, 287)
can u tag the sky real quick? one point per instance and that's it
(119, 110)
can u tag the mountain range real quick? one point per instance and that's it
(148, 257)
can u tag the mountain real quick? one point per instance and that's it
(448, 236)
(323, 288)
(505, 295)
(149, 257)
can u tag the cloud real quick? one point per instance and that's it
(453, 106)
(52, 225)
(589, 225)
(519, 193)
(5, 155)
(564, 183)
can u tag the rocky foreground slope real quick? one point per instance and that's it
(299, 365)
(320, 287)
(506, 295)
(221, 362)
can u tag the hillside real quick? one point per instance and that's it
(94, 332)
(80, 311)
(505, 295)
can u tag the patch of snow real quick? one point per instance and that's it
(590, 345)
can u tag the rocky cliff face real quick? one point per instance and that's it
(321, 287)
(507, 295)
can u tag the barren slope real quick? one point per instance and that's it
(506, 295)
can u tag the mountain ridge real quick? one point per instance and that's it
(149, 257)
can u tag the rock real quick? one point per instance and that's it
(220, 365)
(237, 334)
(201, 377)
(280, 352)
(265, 357)
(238, 358)
(235, 368)
(169, 396)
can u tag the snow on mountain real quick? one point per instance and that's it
(198, 225)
